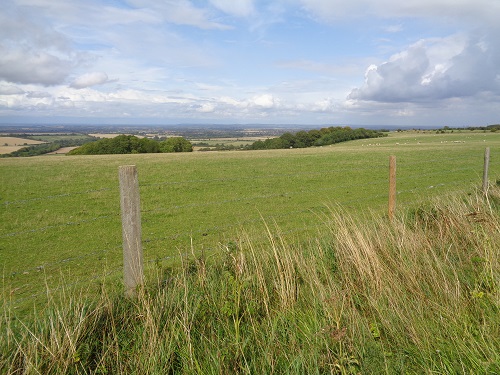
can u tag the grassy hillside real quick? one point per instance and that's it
(61, 222)
(418, 295)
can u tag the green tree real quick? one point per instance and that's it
(122, 144)
(323, 137)
(176, 144)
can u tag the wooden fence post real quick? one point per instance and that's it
(392, 186)
(131, 229)
(485, 170)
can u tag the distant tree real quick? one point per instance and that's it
(122, 144)
(322, 137)
(176, 144)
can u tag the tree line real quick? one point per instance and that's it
(130, 144)
(322, 137)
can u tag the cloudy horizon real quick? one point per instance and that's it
(413, 63)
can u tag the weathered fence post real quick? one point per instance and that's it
(131, 229)
(392, 186)
(485, 170)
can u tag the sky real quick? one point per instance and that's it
(365, 62)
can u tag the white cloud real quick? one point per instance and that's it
(181, 12)
(90, 79)
(206, 108)
(10, 90)
(393, 28)
(173, 59)
(38, 95)
(96, 14)
(240, 8)
(228, 101)
(324, 105)
(28, 66)
(266, 101)
(434, 69)
(31, 52)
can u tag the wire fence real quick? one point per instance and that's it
(211, 215)
(221, 202)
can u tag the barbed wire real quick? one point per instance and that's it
(381, 181)
(55, 196)
(225, 179)
(80, 281)
(328, 171)
(172, 236)
(228, 227)
(247, 221)
(47, 265)
(66, 224)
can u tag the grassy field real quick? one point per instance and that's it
(416, 295)
(212, 142)
(269, 262)
(61, 221)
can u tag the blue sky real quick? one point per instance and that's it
(386, 62)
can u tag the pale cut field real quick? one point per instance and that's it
(62, 150)
(111, 135)
(11, 144)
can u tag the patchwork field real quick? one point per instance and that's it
(61, 220)
(11, 144)
(203, 143)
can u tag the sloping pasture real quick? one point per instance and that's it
(60, 215)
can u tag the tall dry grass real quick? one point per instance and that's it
(416, 295)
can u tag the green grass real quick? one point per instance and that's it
(418, 295)
(61, 221)
(223, 141)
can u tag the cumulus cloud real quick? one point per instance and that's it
(89, 80)
(266, 101)
(31, 52)
(10, 90)
(28, 66)
(434, 69)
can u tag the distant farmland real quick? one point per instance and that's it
(10, 144)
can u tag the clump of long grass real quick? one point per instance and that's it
(419, 294)
(427, 284)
